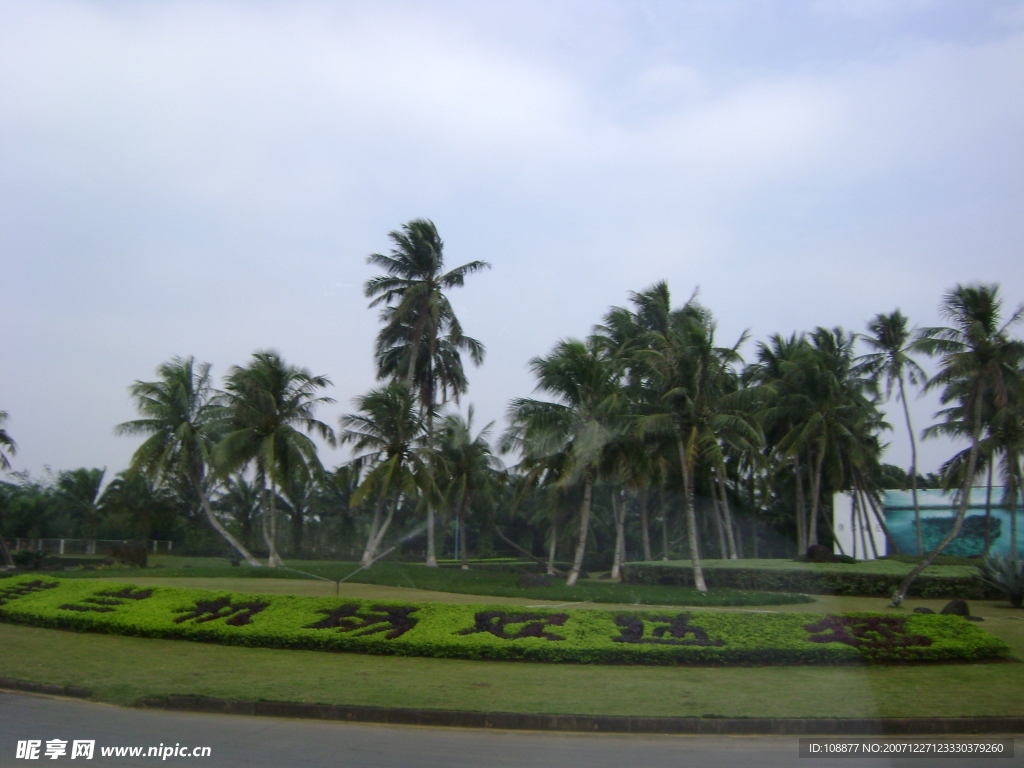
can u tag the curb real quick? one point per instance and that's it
(73, 691)
(593, 723)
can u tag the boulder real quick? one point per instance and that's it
(922, 609)
(956, 607)
(535, 580)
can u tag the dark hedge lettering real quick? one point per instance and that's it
(497, 622)
(393, 620)
(237, 614)
(866, 633)
(106, 601)
(678, 628)
(26, 588)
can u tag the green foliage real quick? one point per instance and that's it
(832, 579)
(492, 632)
(1006, 575)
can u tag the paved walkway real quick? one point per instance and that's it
(255, 742)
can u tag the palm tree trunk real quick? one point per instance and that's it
(988, 505)
(812, 535)
(552, 543)
(581, 544)
(431, 544)
(691, 517)
(369, 551)
(801, 518)
(619, 513)
(727, 514)
(664, 524)
(387, 522)
(716, 523)
(462, 529)
(860, 483)
(645, 529)
(965, 497)
(273, 559)
(224, 532)
(913, 471)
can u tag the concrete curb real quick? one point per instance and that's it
(74, 691)
(595, 723)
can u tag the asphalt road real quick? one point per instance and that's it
(255, 742)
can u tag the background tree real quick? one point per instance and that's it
(182, 424)
(266, 403)
(416, 314)
(388, 427)
(892, 339)
(978, 362)
(7, 447)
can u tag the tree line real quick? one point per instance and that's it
(648, 438)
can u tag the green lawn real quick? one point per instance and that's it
(452, 580)
(124, 669)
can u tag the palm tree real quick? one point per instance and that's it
(979, 365)
(266, 403)
(7, 446)
(78, 491)
(390, 429)
(417, 313)
(468, 468)
(182, 423)
(698, 400)
(579, 425)
(891, 337)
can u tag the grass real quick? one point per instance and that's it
(452, 580)
(123, 669)
(887, 566)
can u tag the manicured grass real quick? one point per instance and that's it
(124, 669)
(472, 582)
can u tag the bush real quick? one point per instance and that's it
(132, 554)
(29, 559)
(1006, 575)
(493, 632)
(814, 582)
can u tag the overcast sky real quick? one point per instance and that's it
(207, 178)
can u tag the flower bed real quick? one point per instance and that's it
(493, 632)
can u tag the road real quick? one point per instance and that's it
(255, 742)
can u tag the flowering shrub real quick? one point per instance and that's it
(493, 632)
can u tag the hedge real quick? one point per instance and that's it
(815, 582)
(493, 632)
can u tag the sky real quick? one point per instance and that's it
(208, 178)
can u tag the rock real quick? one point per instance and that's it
(956, 607)
(922, 609)
(818, 553)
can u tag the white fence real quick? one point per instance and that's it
(82, 546)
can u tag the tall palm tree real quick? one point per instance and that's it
(182, 423)
(978, 364)
(468, 468)
(267, 402)
(698, 399)
(390, 430)
(892, 339)
(586, 416)
(416, 310)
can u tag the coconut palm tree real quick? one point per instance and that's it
(389, 428)
(467, 467)
(892, 339)
(580, 424)
(7, 446)
(182, 423)
(417, 312)
(698, 400)
(978, 364)
(266, 404)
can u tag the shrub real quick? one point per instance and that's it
(815, 582)
(132, 554)
(1006, 575)
(493, 632)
